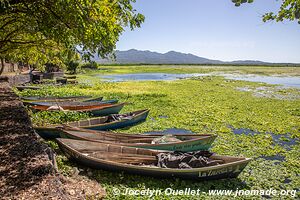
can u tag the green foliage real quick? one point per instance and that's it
(72, 67)
(259, 70)
(90, 65)
(239, 2)
(289, 10)
(38, 31)
(59, 117)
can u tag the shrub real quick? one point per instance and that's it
(72, 67)
(90, 65)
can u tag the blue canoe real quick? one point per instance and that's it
(110, 122)
(71, 103)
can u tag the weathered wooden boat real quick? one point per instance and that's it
(183, 143)
(71, 103)
(110, 122)
(52, 98)
(21, 87)
(96, 110)
(93, 99)
(72, 81)
(70, 76)
(143, 161)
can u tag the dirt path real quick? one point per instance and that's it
(26, 165)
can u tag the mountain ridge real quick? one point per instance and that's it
(133, 56)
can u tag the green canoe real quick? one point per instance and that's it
(184, 143)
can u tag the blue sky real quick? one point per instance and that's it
(214, 29)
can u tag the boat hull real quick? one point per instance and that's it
(119, 124)
(108, 110)
(43, 99)
(21, 88)
(48, 133)
(197, 143)
(96, 110)
(51, 103)
(229, 170)
(94, 99)
(52, 132)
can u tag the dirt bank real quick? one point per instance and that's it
(26, 164)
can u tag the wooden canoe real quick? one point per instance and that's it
(97, 110)
(21, 88)
(98, 123)
(70, 76)
(71, 103)
(194, 142)
(135, 160)
(52, 98)
(93, 99)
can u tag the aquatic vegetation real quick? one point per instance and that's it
(58, 117)
(258, 70)
(273, 92)
(267, 126)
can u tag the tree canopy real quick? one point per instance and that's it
(35, 30)
(289, 10)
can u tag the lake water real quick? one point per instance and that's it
(288, 81)
(285, 140)
(148, 77)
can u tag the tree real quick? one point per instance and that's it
(39, 26)
(289, 10)
(71, 60)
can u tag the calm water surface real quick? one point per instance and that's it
(288, 81)
(148, 77)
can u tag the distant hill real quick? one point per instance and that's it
(134, 56)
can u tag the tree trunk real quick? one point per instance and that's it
(2, 65)
(12, 65)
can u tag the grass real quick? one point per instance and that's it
(259, 70)
(203, 105)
